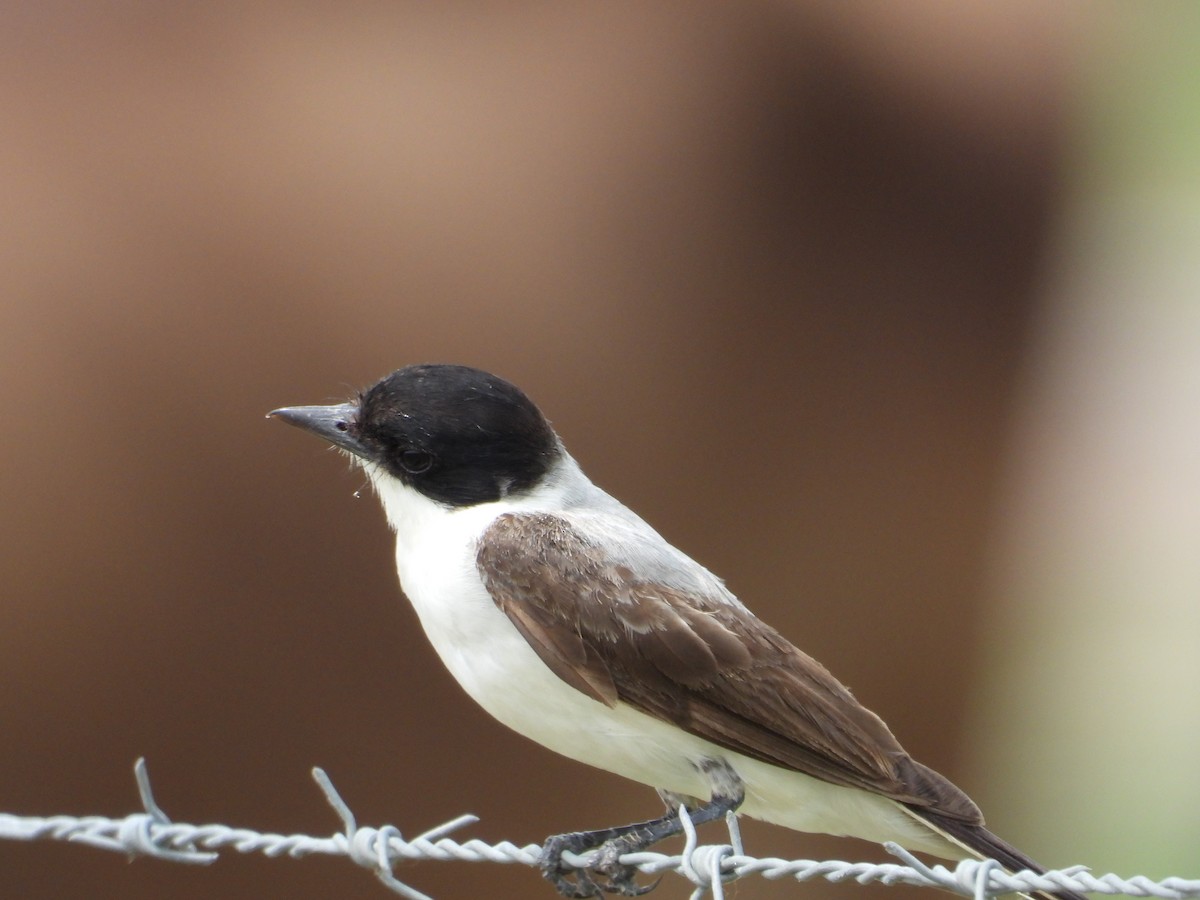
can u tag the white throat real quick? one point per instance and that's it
(415, 518)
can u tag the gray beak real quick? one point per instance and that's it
(332, 423)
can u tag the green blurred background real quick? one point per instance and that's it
(886, 312)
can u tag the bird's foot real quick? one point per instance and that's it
(606, 874)
(614, 877)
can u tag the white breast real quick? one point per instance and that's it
(435, 559)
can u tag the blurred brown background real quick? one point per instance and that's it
(772, 269)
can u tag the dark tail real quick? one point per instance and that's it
(979, 841)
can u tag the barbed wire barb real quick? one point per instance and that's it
(708, 867)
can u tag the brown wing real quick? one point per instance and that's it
(697, 661)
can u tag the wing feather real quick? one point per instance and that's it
(699, 660)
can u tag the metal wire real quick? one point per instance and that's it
(708, 867)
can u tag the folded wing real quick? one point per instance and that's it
(697, 659)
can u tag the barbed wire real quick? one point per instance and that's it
(707, 866)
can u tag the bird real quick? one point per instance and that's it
(573, 622)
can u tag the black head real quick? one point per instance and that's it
(458, 435)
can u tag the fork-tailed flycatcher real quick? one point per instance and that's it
(573, 622)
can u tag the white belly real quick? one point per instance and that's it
(501, 672)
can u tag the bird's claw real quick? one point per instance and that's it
(620, 877)
(582, 883)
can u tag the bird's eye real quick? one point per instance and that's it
(416, 462)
